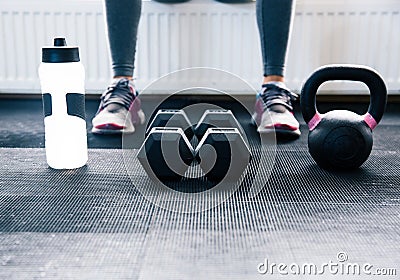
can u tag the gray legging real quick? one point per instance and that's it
(274, 19)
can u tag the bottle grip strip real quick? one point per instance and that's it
(47, 105)
(76, 104)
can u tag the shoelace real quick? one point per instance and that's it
(119, 93)
(277, 95)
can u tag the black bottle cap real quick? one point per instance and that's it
(60, 52)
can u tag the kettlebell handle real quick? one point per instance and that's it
(359, 73)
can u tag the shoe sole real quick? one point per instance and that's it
(113, 128)
(279, 131)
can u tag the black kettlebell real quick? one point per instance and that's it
(341, 139)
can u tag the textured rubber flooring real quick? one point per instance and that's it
(93, 223)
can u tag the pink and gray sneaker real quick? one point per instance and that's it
(119, 110)
(274, 111)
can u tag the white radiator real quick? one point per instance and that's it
(201, 33)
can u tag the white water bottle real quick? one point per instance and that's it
(62, 79)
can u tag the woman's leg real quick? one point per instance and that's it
(119, 109)
(274, 110)
(122, 21)
(274, 19)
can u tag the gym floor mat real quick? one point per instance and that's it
(93, 223)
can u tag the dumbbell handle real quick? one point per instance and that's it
(348, 72)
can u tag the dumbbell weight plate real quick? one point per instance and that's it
(166, 153)
(216, 118)
(223, 154)
(171, 118)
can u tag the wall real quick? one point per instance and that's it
(202, 33)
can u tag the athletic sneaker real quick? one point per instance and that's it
(119, 109)
(274, 111)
